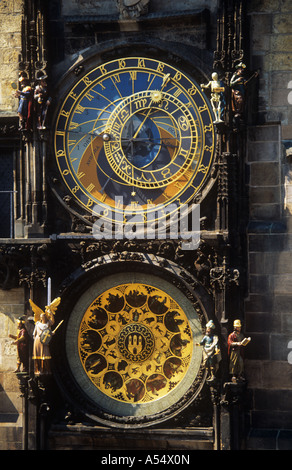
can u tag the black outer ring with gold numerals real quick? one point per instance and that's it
(172, 124)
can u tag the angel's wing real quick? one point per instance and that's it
(36, 310)
(51, 309)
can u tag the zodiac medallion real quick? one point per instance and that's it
(135, 343)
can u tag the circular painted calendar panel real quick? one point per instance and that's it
(131, 344)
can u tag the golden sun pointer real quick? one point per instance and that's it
(156, 96)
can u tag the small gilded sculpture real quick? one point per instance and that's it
(238, 85)
(217, 97)
(25, 107)
(21, 341)
(43, 101)
(236, 342)
(42, 335)
(211, 351)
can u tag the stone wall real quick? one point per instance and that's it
(269, 305)
(11, 308)
(10, 45)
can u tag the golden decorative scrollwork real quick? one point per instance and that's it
(135, 343)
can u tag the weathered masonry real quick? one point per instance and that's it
(145, 201)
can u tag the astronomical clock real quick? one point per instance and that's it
(133, 132)
(133, 136)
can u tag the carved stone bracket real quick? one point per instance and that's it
(230, 38)
(221, 276)
(31, 278)
(34, 51)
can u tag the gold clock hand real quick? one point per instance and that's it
(142, 123)
(105, 136)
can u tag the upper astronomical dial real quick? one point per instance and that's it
(137, 128)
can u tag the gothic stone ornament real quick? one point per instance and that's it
(131, 9)
(131, 133)
(130, 344)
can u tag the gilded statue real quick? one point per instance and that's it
(42, 335)
(211, 351)
(217, 97)
(236, 342)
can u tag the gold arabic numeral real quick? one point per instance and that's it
(192, 91)
(73, 95)
(65, 172)
(75, 189)
(60, 153)
(103, 70)
(160, 67)
(64, 113)
(177, 76)
(122, 63)
(87, 81)
(141, 64)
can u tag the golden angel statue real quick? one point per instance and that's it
(42, 335)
